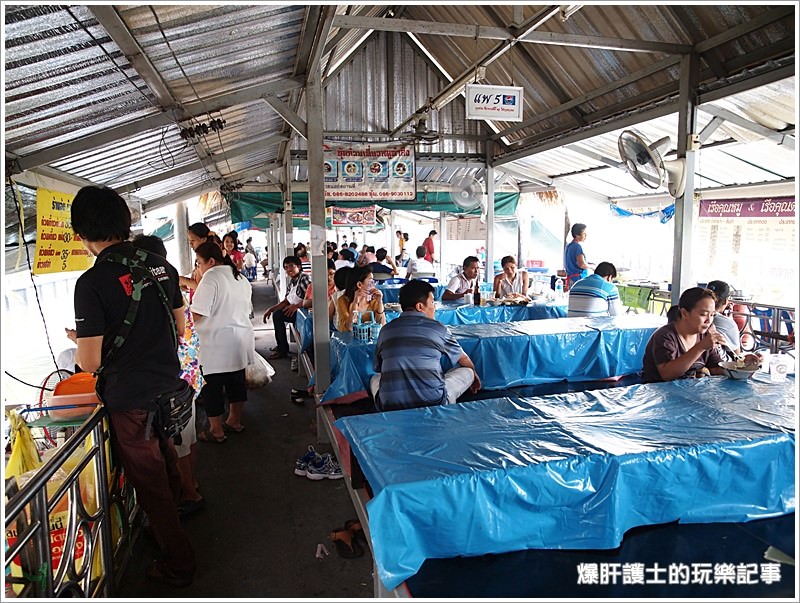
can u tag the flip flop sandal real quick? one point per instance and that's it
(231, 429)
(354, 527)
(210, 437)
(346, 546)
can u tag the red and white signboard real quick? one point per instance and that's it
(500, 103)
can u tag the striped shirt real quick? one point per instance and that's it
(408, 356)
(594, 296)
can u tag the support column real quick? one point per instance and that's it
(442, 274)
(316, 211)
(489, 276)
(185, 259)
(682, 273)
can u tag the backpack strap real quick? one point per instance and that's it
(139, 274)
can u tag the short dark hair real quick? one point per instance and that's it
(509, 259)
(721, 289)
(292, 259)
(468, 260)
(347, 254)
(331, 264)
(414, 292)
(606, 269)
(421, 251)
(99, 213)
(577, 229)
(150, 243)
(380, 255)
(431, 233)
(340, 277)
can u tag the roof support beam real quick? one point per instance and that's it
(108, 18)
(495, 53)
(500, 33)
(607, 161)
(289, 116)
(256, 145)
(115, 134)
(642, 73)
(592, 129)
(751, 126)
(760, 21)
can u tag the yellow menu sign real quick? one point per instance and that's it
(58, 249)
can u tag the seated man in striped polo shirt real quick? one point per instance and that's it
(596, 295)
(408, 357)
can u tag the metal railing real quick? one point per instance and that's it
(765, 326)
(761, 326)
(74, 537)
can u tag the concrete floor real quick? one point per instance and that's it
(258, 535)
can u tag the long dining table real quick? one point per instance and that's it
(518, 353)
(571, 471)
(454, 313)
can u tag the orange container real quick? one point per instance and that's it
(77, 389)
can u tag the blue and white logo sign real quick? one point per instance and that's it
(499, 103)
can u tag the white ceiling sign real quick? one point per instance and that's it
(500, 103)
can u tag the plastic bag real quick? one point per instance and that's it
(259, 372)
(24, 454)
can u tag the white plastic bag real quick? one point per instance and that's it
(259, 372)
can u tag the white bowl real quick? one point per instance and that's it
(738, 372)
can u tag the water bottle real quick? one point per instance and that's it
(559, 288)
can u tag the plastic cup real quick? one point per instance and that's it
(778, 367)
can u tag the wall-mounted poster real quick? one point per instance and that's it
(58, 248)
(353, 216)
(744, 241)
(369, 172)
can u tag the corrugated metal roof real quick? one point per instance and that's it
(101, 93)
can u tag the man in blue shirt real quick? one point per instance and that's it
(408, 357)
(596, 295)
(574, 259)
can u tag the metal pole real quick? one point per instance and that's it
(316, 208)
(684, 204)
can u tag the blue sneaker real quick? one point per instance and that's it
(324, 467)
(301, 464)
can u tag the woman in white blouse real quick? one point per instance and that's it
(510, 280)
(221, 308)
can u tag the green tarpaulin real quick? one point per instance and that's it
(255, 206)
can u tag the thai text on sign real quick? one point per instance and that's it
(58, 248)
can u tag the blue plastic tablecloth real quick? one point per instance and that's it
(449, 313)
(453, 314)
(571, 471)
(518, 353)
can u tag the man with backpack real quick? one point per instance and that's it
(140, 370)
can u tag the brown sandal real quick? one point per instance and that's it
(356, 530)
(346, 545)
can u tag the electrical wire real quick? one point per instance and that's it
(18, 207)
(194, 90)
(47, 389)
(110, 58)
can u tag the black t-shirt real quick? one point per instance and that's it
(147, 363)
